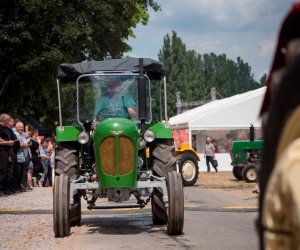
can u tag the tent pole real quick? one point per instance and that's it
(190, 137)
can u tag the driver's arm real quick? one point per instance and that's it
(131, 112)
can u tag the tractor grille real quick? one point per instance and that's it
(126, 155)
(109, 156)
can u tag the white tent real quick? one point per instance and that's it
(235, 112)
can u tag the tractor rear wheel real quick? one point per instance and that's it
(61, 212)
(159, 212)
(249, 173)
(75, 211)
(237, 173)
(176, 204)
(66, 162)
(188, 167)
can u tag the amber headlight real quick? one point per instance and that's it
(149, 136)
(83, 137)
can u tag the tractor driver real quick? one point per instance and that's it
(115, 103)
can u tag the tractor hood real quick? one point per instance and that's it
(116, 127)
(115, 146)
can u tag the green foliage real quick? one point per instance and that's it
(36, 36)
(263, 79)
(194, 75)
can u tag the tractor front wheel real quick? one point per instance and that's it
(176, 204)
(164, 161)
(61, 212)
(249, 173)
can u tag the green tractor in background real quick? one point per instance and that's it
(105, 156)
(246, 156)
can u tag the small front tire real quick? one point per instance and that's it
(249, 173)
(61, 213)
(188, 167)
(176, 204)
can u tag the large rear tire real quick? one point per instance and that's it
(159, 211)
(61, 212)
(176, 204)
(75, 212)
(188, 167)
(237, 173)
(66, 162)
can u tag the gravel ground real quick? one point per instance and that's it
(24, 230)
(26, 218)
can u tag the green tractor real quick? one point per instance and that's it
(102, 154)
(246, 156)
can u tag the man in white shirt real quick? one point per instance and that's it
(210, 154)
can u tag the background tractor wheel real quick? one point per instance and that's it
(249, 173)
(176, 204)
(164, 161)
(188, 167)
(66, 162)
(237, 173)
(61, 216)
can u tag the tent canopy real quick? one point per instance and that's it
(235, 112)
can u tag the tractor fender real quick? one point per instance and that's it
(185, 148)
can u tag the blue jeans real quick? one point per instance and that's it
(209, 159)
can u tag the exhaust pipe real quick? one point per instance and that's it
(142, 96)
(252, 133)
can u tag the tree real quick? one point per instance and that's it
(194, 75)
(263, 79)
(36, 36)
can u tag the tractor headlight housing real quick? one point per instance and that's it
(83, 137)
(141, 143)
(149, 136)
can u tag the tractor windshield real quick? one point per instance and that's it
(103, 96)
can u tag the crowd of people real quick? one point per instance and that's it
(26, 159)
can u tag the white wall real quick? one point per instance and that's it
(223, 159)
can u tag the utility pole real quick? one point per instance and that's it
(213, 93)
(178, 102)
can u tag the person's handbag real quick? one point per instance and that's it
(21, 157)
(215, 163)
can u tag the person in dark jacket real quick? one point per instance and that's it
(6, 144)
(13, 171)
(36, 168)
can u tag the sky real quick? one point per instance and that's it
(237, 28)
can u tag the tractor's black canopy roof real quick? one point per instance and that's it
(70, 72)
